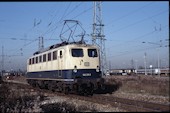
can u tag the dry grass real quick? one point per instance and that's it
(141, 84)
(14, 99)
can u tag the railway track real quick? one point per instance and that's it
(126, 104)
(122, 103)
(133, 105)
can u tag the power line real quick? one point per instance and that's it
(71, 19)
(55, 14)
(16, 39)
(59, 22)
(140, 37)
(134, 11)
(139, 21)
(74, 8)
(82, 12)
(64, 15)
(70, 11)
(67, 15)
(130, 52)
(65, 12)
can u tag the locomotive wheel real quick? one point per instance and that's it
(50, 87)
(90, 91)
(66, 90)
(85, 92)
(42, 85)
(33, 83)
(83, 89)
(59, 87)
(102, 87)
(80, 90)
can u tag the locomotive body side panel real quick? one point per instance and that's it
(73, 61)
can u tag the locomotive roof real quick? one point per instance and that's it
(59, 45)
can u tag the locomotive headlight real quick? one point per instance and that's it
(75, 69)
(97, 69)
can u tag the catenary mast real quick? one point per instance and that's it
(98, 37)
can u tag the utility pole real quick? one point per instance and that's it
(145, 63)
(98, 35)
(132, 64)
(136, 67)
(2, 60)
(41, 43)
(160, 45)
(158, 64)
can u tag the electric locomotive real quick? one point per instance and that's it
(66, 67)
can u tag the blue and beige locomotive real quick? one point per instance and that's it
(66, 67)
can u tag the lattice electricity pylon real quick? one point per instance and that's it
(70, 32)
(98, 35)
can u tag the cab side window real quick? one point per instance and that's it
(92, 53)
(77, 52)
(61, 54)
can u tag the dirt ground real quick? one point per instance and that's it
(146, 88)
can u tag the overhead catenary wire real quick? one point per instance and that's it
(71, 19)
(64, 15)
(68, 12)
(37, 38)
(29, 30)
(133, 51)
(42, 34)
(130, 52)
(137, 38)
(59, 22)
(137, 22)
(130, 13)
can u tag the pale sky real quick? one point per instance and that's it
(127, 25)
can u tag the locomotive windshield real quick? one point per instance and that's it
(77, 52)
(92, 52)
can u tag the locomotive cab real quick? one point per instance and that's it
(84, 61)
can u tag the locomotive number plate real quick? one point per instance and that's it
(86, 74)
